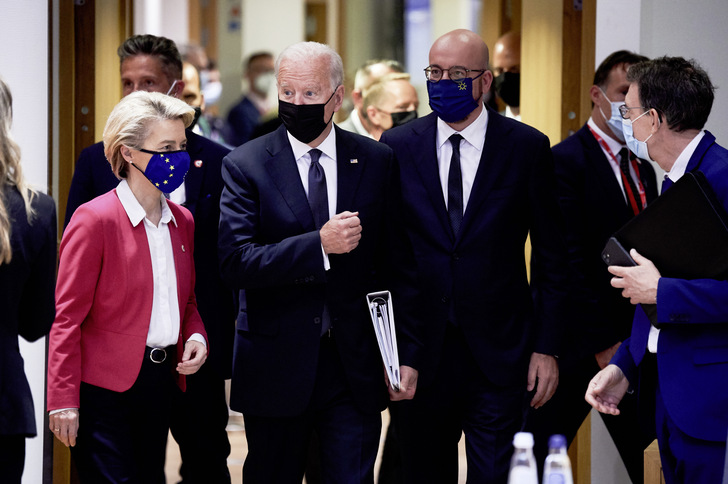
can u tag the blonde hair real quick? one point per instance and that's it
(11, 173)
(129, 122)
(374, 94)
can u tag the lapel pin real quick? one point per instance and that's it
(198, 163)
(353, 161)
(183, 248)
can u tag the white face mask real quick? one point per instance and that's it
(615, 120)
(636, 146)
(264, 82)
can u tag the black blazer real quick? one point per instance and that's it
(203, 184)
(269, 246)
(594, 208)
(477, 280)
(27, 300)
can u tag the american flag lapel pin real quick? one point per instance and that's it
(353, 161)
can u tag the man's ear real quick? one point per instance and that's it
(179, 86)
(594, 94)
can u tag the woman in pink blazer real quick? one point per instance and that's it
(127, 329)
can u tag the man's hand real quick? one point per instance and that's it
(638, 283)
(64, 426)
(407, 384)
(192, 359)
(341, 234)
(545, 370)
(606, 390)
(605, 356)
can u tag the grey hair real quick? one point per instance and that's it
(308, 51)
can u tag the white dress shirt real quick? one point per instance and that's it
(471, 149)
(615, 146)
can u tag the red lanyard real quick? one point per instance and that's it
(627, 188)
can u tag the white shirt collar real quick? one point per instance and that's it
(613, 144)
(134, 209)
(356, 121)
(327, 147)
(678, 168)
(509, 114)
(474, 133)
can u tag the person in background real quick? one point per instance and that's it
(126, 315)
(204, 125)
(389, 102)
(309, 226)
(366, 75)
(27, 279)
(246, 114)
(151, 63)
(474, 184)
(507, 72)
(680, 367)
(601, 186)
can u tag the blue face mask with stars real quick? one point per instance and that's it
(452, 101)
(166, 170)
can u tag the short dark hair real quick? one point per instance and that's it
(254, 57)
(676, 88)
(621, 57)
(161, 47)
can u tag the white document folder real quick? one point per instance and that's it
(382, 313)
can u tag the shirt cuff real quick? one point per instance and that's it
(327, 265)
(198, 337)
(59, 410)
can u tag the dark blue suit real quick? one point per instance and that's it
(594, 207)
(692, 355)
(287, 378)
(482, 321)
(204, 447)
(27, 300)
(241, 121)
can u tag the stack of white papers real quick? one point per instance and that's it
(380, 308)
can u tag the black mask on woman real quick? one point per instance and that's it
(305, 122)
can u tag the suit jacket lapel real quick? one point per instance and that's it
(425, 161)
(493, 161)
(193, 180)
(702, 148)
(348, 169)
(285, 176)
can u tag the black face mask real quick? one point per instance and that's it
(305, 122)
(198, 113)
(398, 119)
(508, 88)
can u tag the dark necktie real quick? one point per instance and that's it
(455, 186)
(666, 183)
(317, 195)
(634, 197)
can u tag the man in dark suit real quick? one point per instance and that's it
(474, 184)
(153, 63)
(246, 114)
(308, 226)
(684, 363)
(601, 186)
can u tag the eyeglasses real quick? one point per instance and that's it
(624, 110)
(455, 73)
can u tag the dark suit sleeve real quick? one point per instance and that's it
(247, 259)
(37, 304)
(551, 277)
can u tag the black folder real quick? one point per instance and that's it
(684, 231)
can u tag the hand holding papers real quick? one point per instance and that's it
(381, 311)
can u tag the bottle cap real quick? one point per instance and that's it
(557, 441)
(523, 440)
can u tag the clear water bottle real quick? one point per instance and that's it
(557, 469)
(523, 464)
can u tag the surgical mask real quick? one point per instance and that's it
(398, 119)
(615, 120)
(452, 101)
(305, 122)
(508, 88)
(636, 146)
(166, 170)
(264, 82)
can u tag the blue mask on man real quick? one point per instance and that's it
(166, 170)
(452, 101)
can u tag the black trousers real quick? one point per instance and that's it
(198, 422)
(122, 436)
(631, 431)
(12, 458)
